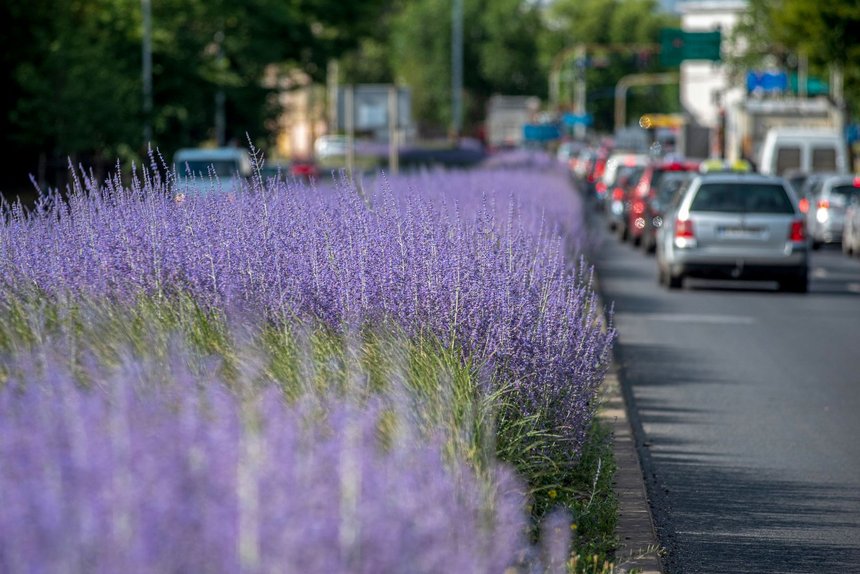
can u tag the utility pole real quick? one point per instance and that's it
(146, 9)
(332, 80)
(393, 121)
(349, 121)
(579, 90)
(456, 68)
(220, 119)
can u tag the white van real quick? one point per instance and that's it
(805, 150)
(229, 166)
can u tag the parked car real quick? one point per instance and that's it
(830, 197)
(609, 195)
(618, 202)
(654, 210)
(581, 163)
(299, 168)
(735, 226)
(203, 169)
(330, 146)
(566, 153)
(851, 230)
(641, 209)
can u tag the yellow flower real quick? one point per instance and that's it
(552, 493)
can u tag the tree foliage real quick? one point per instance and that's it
(827, 33)
(74, 67)
(610, 28)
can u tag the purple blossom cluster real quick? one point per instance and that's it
(483, 259)
(133, 474)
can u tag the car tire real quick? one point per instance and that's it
(816, 244)
(674, 281)
(636, 240)
(846, 246)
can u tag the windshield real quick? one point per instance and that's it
(201, 168)
(743, 197)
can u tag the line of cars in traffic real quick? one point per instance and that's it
(708, 219)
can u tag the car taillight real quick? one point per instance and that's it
(798, 231)
(823, 204)
(803, 204)
(617, 194)
(684, 229)
(638, 207)
(600, 187)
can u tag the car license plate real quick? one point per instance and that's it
(741, 232)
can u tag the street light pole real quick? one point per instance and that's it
(146, 9)
(456, 67)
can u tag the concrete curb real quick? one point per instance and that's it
(638, 549)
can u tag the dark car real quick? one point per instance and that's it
(644, 203)
(829, 197)
(618, 199)
(658, 202)
(303, 169)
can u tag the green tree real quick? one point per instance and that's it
(828, 33)
(609, 28)
(500, 55)
(74, 68)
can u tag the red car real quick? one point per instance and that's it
(644, 201)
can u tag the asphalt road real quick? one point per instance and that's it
(746, 406)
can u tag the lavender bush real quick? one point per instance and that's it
(475, 271)
(480, 259)
(162, 468)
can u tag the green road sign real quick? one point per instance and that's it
(677, 45)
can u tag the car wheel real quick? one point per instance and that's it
(846, 246)
(816, 244)
(623, 234)
(636, 240)
(674, 281)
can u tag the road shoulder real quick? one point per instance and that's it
(638, 549)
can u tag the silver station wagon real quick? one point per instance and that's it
(734, 226)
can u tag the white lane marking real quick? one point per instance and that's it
(820, 272)
(689, 318)
(854, 287)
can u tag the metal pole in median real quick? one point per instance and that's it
(457, 67)
(146, 8)
(579, 95)
(393, 117)
(349, 121)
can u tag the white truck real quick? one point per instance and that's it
(749, 121)
(804, 150)
(506, 117)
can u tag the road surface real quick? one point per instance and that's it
(746, 406)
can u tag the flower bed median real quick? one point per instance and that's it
(352, 370)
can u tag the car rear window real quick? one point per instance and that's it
(823, 159)
(843, 193)
(221, 168)
(744, 197)
(787, 158)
